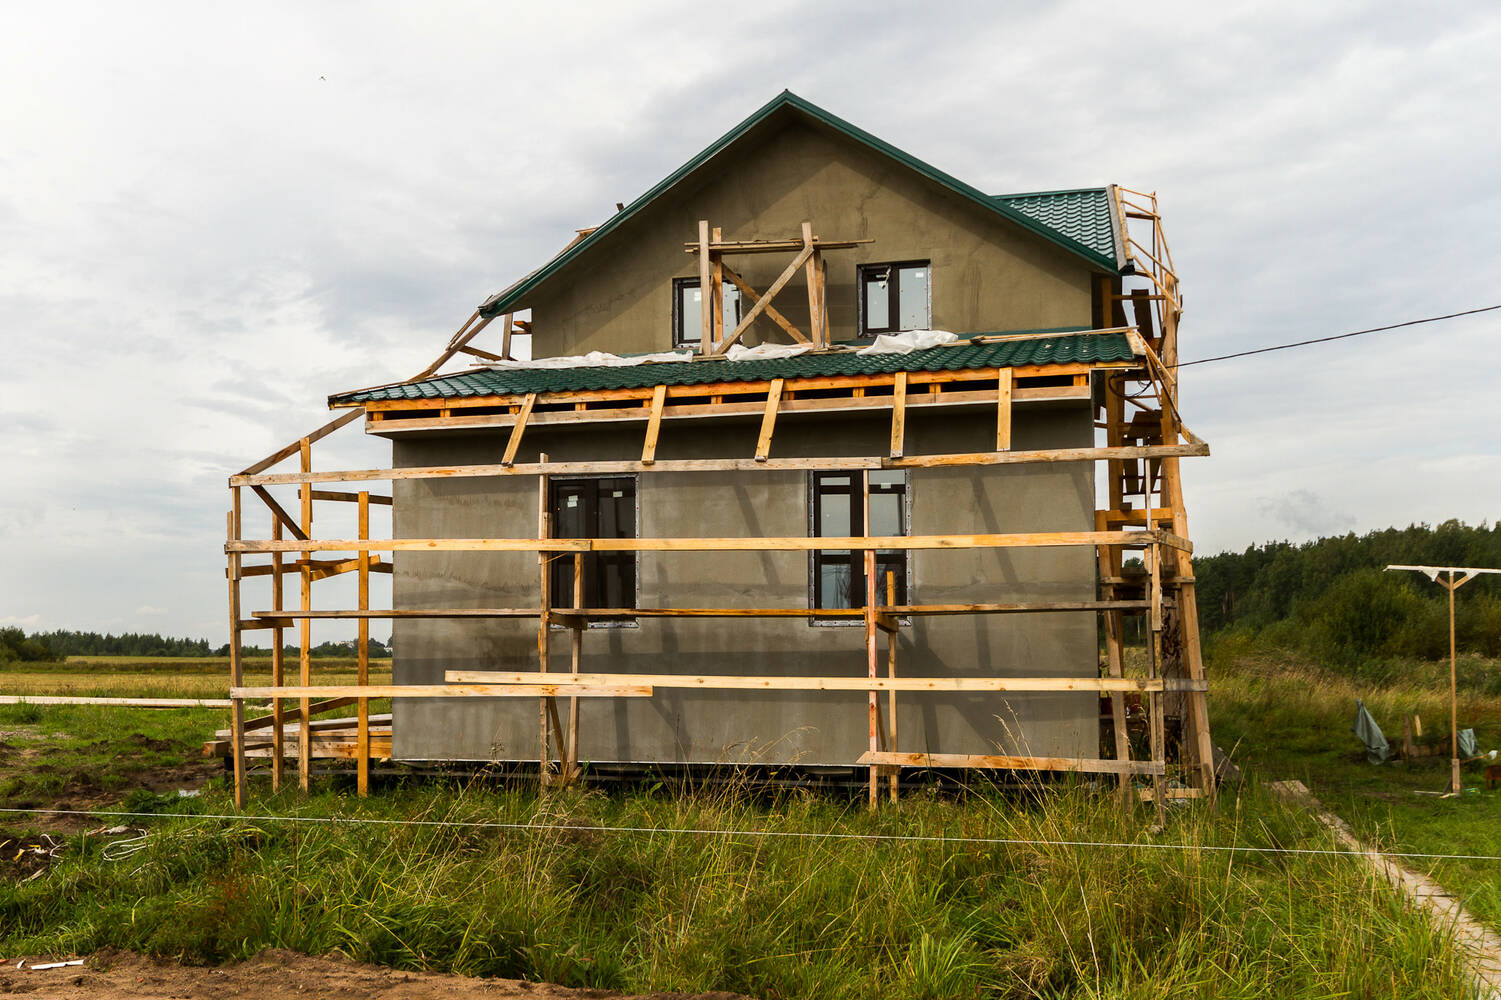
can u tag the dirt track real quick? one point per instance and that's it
(278, 975)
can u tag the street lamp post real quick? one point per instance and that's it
(1451, 584)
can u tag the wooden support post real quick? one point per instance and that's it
(715, 290)
(1108, 560)
(278, 664)
(874, 704)
(1003, 410)
(505, 339)
(517, 429)
(898, 414)
(544, 622)
(892, 638)
(304, 626)
(1152, 555)
(362, 712)
(812, 269)
(769, 420)
(1454, 786)
(236, 665)
(871, 600)
(705, 265)
(653, 425)
(570, 768)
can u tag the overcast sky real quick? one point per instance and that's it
(211, 217)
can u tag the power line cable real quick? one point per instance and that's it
(1338, 336)
(907, 838)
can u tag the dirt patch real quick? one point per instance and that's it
(278, 975)
(24, 857)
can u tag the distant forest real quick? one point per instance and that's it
(43, 647)
(1333, 599)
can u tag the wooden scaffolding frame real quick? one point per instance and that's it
(1144, 441)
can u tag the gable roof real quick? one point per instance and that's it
(1079, 221)
(1070, 347)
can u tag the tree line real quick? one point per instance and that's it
(16, 646)
(1333, 598)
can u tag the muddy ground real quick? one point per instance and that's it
(277, 975)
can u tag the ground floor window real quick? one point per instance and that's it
(594, 508)
(837, 510)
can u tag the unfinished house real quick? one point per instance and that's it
(821, 459)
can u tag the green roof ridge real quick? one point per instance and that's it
(503, 300)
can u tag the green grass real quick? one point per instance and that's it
(1287, 718)
(769, 917)
(785, 917)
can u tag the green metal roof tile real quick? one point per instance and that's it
(1071, 349)
(1090, 249)
(1084, 215)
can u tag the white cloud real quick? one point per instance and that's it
(210, 218)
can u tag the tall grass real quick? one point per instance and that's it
(768, 916)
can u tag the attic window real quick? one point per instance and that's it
(895, 297)
(687, 311)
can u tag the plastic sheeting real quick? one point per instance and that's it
(762, 352)
(595, 359)
(1468, 747)
(1377, 749)
(908, 341)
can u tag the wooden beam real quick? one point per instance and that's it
(792, 543)
(517, 429)
(1002, 763)
(769, 420)
(57, 699)
(898, 414)
(773, 246)
(771, 311)
(653, 425)
(812, 270)
(602, 690)
(279, 660)
(278, 512)
(764, 301)
(304, 629)
(295, 446)
(1003, 410)
(505, 337)
(236, 666)
(466, 333)
(362, 641)
(706, 338)
(280, 613)
(379, 501)
(831, 463)
(321, 568)
(743, 404)
(771, 682)
(293, 714)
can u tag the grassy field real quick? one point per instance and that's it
(1287, 718)
(773, 916)
(167, 676)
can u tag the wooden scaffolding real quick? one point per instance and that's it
(1140, 541)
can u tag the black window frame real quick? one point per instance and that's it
(596, 565)
(822, 488)
(893, 300)
(680, 339)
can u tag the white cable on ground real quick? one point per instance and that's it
(786, 834)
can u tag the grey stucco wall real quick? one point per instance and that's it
(734, 726)
(988, 272)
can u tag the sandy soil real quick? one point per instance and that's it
(277, 975)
